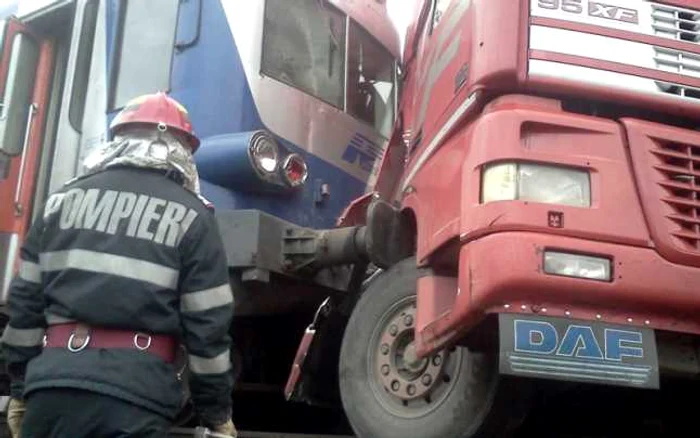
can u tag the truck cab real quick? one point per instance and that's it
(545, 164)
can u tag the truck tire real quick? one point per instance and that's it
(454, 393)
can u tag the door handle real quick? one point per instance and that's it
(25, 146)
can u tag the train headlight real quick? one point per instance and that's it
(536, 183)
(264, 154)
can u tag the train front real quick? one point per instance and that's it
(294, 102)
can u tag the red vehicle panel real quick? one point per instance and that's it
(644, 207)
(17, 183)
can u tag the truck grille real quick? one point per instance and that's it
(678, 166)
(666, 165)
(678, 163)
(677, 61)
(676, 23)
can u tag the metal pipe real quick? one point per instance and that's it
(341, 246)
(23, 162)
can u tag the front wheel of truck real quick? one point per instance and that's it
(387, 392)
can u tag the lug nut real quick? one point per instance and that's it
(385, 349)
(385, 370)
(437, 360)
(393, 330)
(408, 320)
(427, 380)
(395, 385)
(411, 390)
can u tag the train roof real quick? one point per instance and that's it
(370, 14)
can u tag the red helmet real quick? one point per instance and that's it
(156, 109)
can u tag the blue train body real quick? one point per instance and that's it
(217, 71)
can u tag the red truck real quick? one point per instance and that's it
(537, 214)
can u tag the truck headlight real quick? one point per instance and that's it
(536, 183)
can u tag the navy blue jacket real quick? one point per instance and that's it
(131, 249)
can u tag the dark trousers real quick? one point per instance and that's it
(71, 413)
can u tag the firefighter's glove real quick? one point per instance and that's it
(15, 412)
(226, 429)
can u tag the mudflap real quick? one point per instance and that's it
(578, 351)
(293, 389)
(293, 380)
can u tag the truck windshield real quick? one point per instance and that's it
(4, 159)
(306, 44)
(3, 25)
(439, 9)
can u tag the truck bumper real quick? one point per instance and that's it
(503, 273)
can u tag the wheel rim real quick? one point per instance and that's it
(404, 385)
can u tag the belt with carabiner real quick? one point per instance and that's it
(76, 337)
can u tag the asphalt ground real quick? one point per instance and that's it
(557, 411)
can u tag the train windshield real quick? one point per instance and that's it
(311, 45)
(145, 50)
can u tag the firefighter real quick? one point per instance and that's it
(122, 267)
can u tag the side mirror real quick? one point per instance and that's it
(16, 107)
